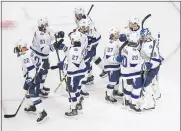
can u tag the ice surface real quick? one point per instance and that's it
(97, 114)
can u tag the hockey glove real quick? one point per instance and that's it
(58, 43)
(29, 81)
(60, 65)
(91, 40)
(147, 66)
(59, 34)
(119, 58)
(122, 37)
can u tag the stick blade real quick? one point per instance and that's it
(9, 116)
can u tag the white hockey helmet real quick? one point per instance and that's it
(84, 26)
(43, 22)
(22, 44)
(84, 23)
(79, 11)
(76, 38)
(133, 20)
(114, 33)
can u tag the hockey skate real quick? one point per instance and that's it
(103, 74)
(30, 109)
(85, 94)
(42, 116)
(116, 93)
(90, 80)
(110, 99)
(43, 94)
(46, 89)
(72, 113)
(135, 108)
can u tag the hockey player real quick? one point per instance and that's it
(131, 72)
(111, 65)
(93, 32)
(75, 67)
(33, 101)
(41, 47)
(133, 27)
(152, 59)
(84, 27)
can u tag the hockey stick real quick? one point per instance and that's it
(90, 9)
(60, 83)
(58, 59)
(13, 115)
(143, 21)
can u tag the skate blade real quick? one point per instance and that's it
(90, 83)
(31, 112)
(104, 76)
(109, 102)
(72, 117)
(133, 111)
(44, 120)
(124, 107)
(80, 111)
(44, 97)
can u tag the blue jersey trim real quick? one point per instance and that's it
(30, 68)
(77, 71)
(111, 66)
(130, 74)
(38, 53)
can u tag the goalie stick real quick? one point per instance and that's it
(13, 115)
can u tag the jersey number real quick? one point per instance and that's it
(135, 57)
(124, 61)
(42, 41)
(74, 57)
(109, 49)
(26, 61)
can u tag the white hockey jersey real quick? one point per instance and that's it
(28, 67)
(74, 65)
(129, 33)
(111, 51)
(93, 32)
(131, 63)
(146, 51)
(41, 43)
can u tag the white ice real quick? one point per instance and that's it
(97, 114)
